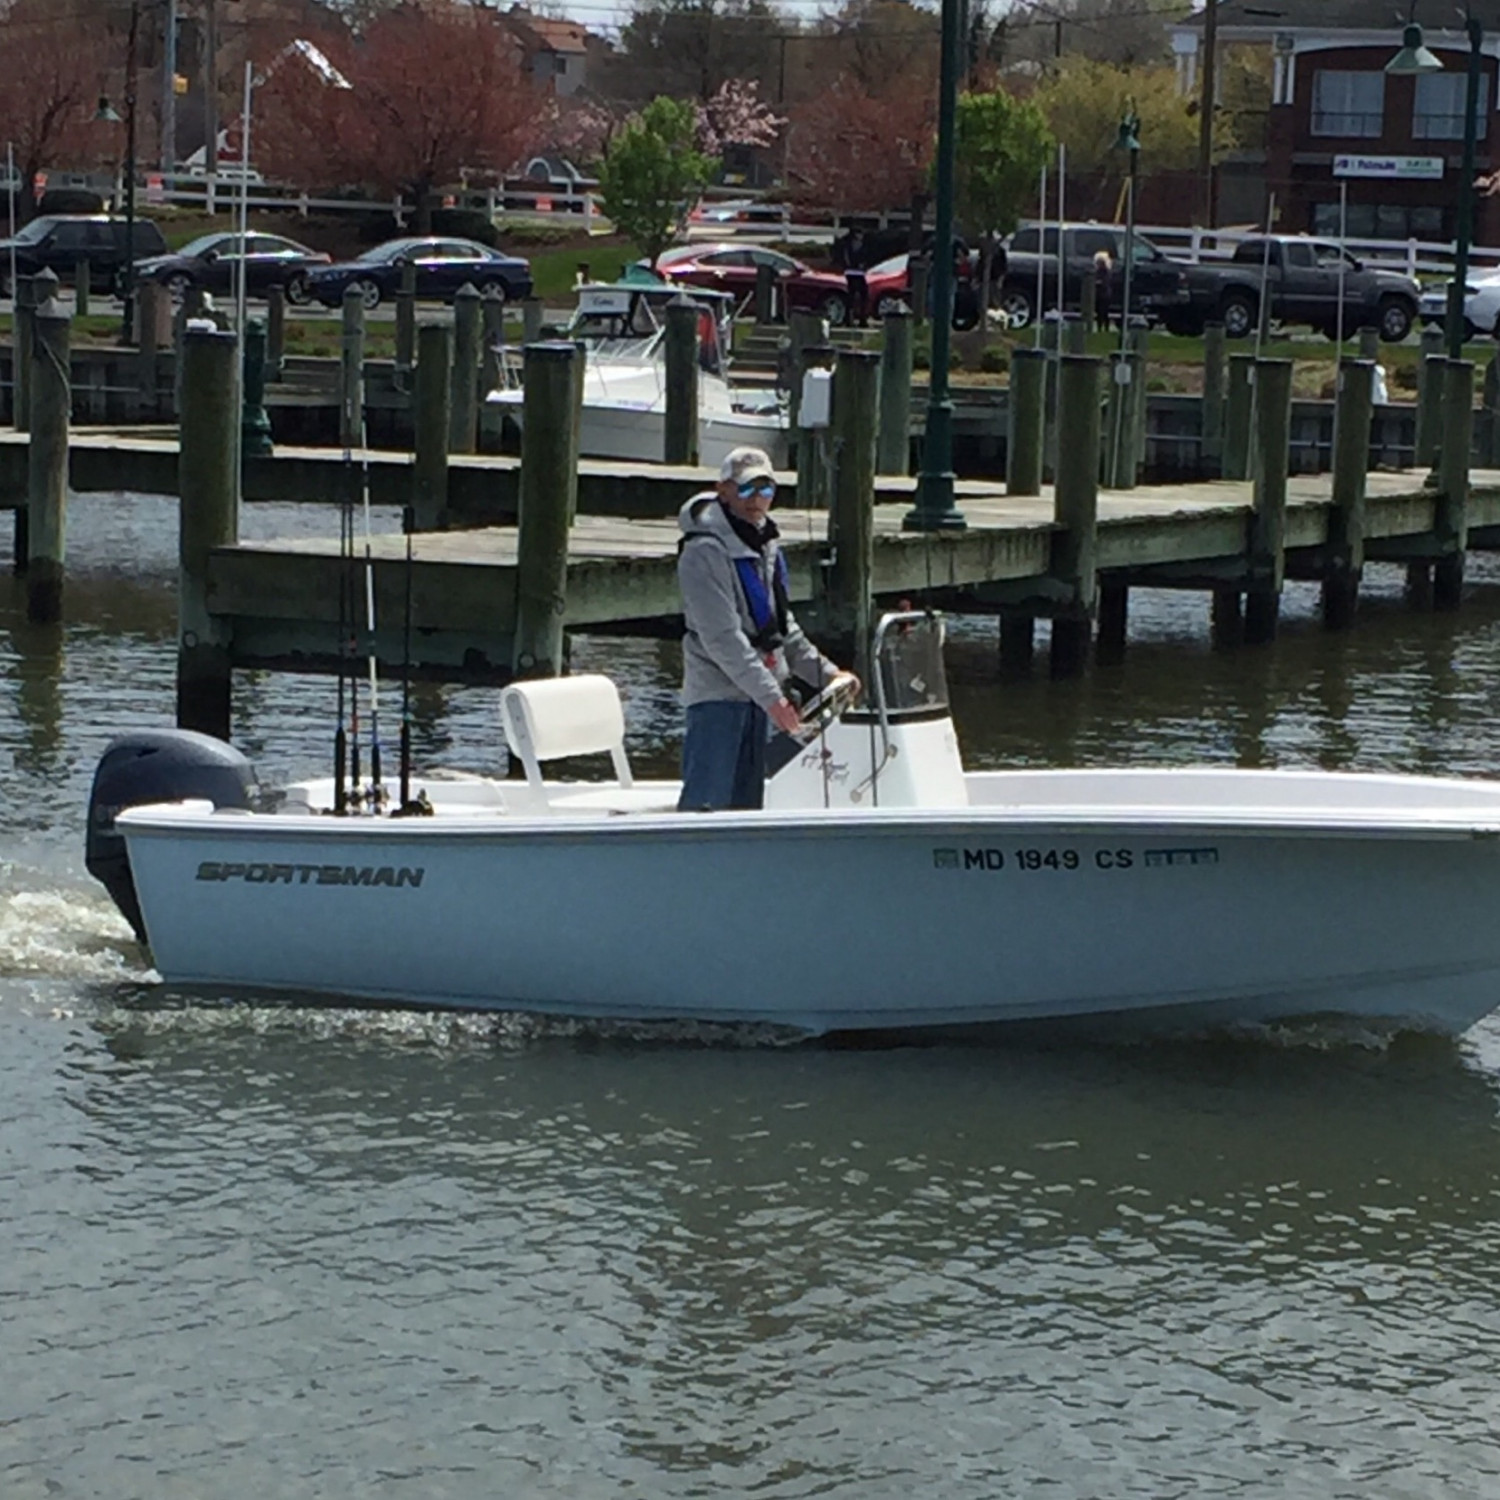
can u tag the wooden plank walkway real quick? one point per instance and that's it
(282, 596)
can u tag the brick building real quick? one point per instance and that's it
(1337, 117)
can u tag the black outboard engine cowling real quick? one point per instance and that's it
(156, 765)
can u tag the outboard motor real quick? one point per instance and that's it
(156, 765)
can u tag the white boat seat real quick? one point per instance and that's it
(555, 717)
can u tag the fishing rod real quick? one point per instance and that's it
(340, 736)
(377, 786)
(408, 525)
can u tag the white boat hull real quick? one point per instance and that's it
(1044, 901)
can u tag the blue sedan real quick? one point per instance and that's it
(444, 266)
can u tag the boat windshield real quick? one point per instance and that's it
(623, 324)
(909, 664)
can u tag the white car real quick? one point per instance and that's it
(1481, 304)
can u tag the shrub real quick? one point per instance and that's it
(465, 224)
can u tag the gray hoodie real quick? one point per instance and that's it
(718, 660)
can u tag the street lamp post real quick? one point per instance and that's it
(1129, 140)
(934, 509)
(1413, 59)
(105, 112)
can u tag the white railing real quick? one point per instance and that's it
(1415, 258)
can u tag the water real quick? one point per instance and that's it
(251, 1249)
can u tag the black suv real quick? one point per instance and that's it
(58, 242)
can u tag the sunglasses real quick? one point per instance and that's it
(766, 487)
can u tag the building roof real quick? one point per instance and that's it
(544, 33)
(1333, 15)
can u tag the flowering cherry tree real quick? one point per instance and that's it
(736, 115)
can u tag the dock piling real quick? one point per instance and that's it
(1237, 406)
(406, 320)
(1023, 457)
(1369, 342)
(549, 496)
(680, 348)
(1212, 448)
(765, 294)
(434, 385)
(531, 319)
(1267, 559)
(209, 518)
(26, 299)
(813, 451)
(151, 314)
(47, 462)
(851, 510)
(468, 338)
(1451, 514)
(893, 440)
(1076, 510)
(1429, 399)
(1344, 556)
(275, 330)
(491, 374)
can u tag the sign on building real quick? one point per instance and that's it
(1420, 168)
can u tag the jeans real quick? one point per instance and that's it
(723, 757)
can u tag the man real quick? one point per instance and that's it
(742, 643)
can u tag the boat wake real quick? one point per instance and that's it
(62, 933)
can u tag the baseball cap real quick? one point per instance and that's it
(741, 464)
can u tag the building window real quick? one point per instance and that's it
(1348, 104)
(1380, 221)
(1438, 113)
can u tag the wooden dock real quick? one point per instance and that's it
(279, 599)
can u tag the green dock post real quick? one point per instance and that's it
(82, 288)
(680, 348)
(434, 386)
(468, 337)
(1451, 513)
(255, 425)
(1267, 559)
(549, 496)
(1344, 554)
(1212, 446)
(893, 440)
(1023, 457)
(851, 512)
(209, 518)
(1076, 510)
(47, 462)
(406, 320)
(1238, 402)
(275, 330)
(352, 371)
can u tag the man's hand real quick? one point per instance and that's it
(784, 716)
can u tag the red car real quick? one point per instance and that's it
(733, 268)
(888, 286)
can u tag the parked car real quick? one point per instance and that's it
(60, 242)
(733, 268)
(888, 287)
(444, 267)
(1158, 286)
(212, 260)
(732, 214)
(1481, 304)
(1300, 278)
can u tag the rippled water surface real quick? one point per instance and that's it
(262, 1250)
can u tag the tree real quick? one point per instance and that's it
(50, 75)
(1000, 146)
(736, 116)
(852, 150)
(652, 174)
(1085, 101)
(436, 92)
(686, 49)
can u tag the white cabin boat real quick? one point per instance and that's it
(622, 327)
(882, 887)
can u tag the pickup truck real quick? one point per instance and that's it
(1158, 286)
(1301, 282)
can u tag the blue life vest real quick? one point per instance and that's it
(768, 613)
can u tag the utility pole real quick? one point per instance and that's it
(169, 93)
(210, 89)
(1208, 88)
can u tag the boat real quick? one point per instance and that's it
(622, 327)
(884, 887)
